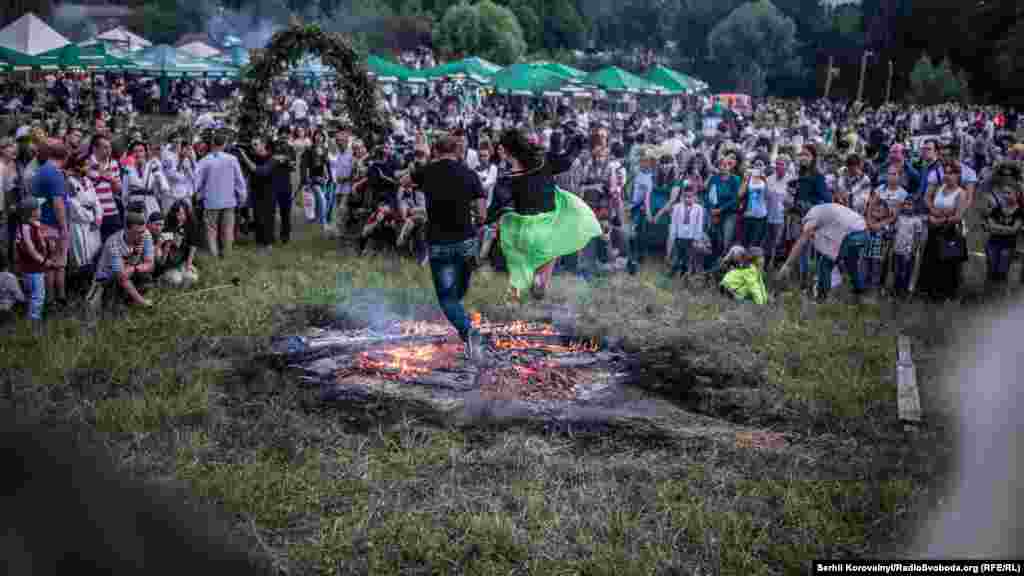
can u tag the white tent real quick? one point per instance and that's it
(199, 49)
(121, 38)
(30, 35)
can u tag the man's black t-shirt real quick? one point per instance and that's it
(450, 189)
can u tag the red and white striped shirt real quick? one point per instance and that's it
(101, 180)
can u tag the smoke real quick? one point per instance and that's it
(253, 25)
(379, 303)
(72, 21)
(983, 514)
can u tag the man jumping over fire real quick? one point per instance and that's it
(450, 188)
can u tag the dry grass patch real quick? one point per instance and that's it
(413, 498)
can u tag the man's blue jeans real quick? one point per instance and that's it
(330, 199)
(999, 256)
(451, 272)
(323, 193)
(849, 252)
(724, 234)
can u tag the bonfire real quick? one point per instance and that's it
(527, 361)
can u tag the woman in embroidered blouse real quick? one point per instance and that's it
(143, 179)
(85, 214)
(179, 164)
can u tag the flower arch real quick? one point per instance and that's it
(369, 120)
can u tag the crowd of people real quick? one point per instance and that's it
(881, 194)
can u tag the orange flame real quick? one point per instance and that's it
(513, 343)
(409, 360)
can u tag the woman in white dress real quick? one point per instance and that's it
(179, 164)
(85, 215)
(144, 180)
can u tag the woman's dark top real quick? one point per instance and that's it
(530, 192)
(314, 163)
(192, 237)
(811, 191)
(273, 177)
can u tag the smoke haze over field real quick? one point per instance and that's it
(70, 19)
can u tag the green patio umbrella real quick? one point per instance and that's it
(564, 70)
(475, 68)
(529, 80)
(614, 79)
(93, 57)
(386, 70)
(670, 79)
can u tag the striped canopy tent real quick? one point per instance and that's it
(30, 35)
(530, 80)
(670, 80)
(698, 84)
(14, 60)
(166, 61)
(74, 57)
(120, 38)
(386, 71)
(473, 68)
(199, 49)
(616, 80)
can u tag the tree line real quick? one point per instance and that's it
(774, 46)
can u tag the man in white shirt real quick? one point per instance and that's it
(299, 109)
(837, 232)
(341, 174)
(675, 144)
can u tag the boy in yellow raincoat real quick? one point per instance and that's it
(746, 281)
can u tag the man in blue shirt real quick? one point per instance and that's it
(48, 185)
(221, 188)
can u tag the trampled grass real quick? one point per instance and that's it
(412, 498)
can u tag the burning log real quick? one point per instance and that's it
(530, 362)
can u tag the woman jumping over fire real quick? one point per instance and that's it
(541, 222)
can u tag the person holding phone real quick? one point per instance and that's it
(754, 191)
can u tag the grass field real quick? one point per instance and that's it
(827, 472)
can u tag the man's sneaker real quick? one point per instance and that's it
(475, 347)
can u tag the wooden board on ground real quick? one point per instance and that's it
(908, 396)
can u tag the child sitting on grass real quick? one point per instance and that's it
(745, 281)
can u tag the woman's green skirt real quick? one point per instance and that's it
(529, 242)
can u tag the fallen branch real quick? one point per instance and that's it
(235, 283)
